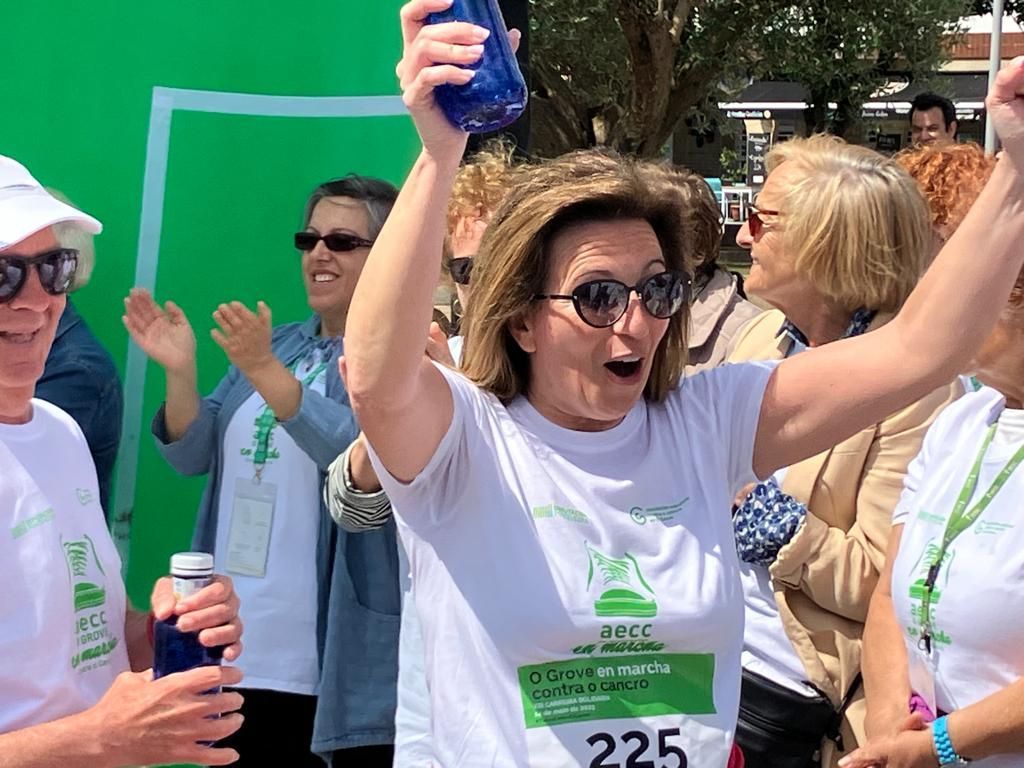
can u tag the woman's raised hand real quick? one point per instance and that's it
(1005, 105)
(244, 335)
(164, 334)
(431, 57)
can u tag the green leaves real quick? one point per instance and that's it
(623, 73)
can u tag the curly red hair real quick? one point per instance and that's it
(950, 177)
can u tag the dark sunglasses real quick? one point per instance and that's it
(600, 303)
(459, 268)
(754, 220)
(338, 242)
(56, 272)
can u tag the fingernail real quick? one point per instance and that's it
(476, 50)
(481, 33)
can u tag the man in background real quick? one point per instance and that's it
(932, 119)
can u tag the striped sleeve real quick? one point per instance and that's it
(352, 509)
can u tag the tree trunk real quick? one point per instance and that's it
(816, 114)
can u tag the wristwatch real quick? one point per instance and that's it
(947, 755)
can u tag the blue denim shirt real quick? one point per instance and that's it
(358, 613)
(80, 378)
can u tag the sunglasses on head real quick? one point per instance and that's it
(459, 268)
(600, 303)
(56, 272)
(754, 220)
(338, 242)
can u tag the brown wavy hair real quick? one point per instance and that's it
(515, 256)
(702, 216)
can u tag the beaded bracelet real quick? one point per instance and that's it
(943, 746)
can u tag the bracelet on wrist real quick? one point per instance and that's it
(944, 746)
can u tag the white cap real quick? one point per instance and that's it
(192, 563)
(26, 207)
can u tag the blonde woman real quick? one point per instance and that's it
(812, 538)
(563, 497)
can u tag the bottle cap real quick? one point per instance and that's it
(192, 563)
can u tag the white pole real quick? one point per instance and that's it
(994, 60)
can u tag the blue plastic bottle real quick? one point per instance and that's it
(497, 95)
(174, 650)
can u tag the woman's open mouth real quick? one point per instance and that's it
(626, 368)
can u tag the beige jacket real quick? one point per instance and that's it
(824, 577)
(715, 317)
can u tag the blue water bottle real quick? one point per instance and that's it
(174, 650)
(497, 95)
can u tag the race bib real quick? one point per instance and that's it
(641, 711)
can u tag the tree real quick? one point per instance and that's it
(843, 51)
(1013, 8)
(624, 73)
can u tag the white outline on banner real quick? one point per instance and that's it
(165, 102)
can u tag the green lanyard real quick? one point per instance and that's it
(960, 520)
(266, 422)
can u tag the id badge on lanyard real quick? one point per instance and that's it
(252, 520)
(922, 677)
(254, 501)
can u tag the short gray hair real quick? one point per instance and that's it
(376, 194)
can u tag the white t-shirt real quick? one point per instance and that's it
(62, 607)
(279, 608)
(578, 591)
(412, 715)
(978, 601)
(767, 649)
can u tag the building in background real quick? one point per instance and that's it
(776, 109)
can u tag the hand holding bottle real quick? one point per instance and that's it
(212, 612)
(141, 721)
(435, 55)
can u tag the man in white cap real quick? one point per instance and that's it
(68, 640)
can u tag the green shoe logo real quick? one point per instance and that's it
(625, 592)
(86, 576)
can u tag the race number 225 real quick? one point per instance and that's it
(640, 743)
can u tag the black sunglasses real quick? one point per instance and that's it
(56, 272)
(338, 242)
(459, 268)
(600, 303)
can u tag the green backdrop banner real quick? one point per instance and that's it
(128, 109)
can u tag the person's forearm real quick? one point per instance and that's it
(363, 476)
(384, 350)
(277, 386)
(182, 406)
(136, 636)
(992, 726)
(884, 666)
(956, 303)
(71, 742)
